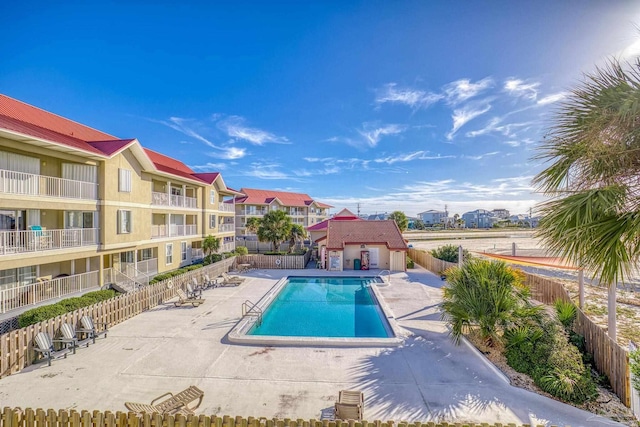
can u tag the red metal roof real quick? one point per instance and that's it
(343, 215)
(385, 232)
(16, 125)
(208, 177)
(26, 113)
(265, 197)
(110, 147)
(168, 162)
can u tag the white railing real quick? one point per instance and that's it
(297, 212)
(140, 271)
(13, 242)
(256, 211)
(48, 186)
(172, 230)
(224, 228)
(197, 254)
(227, 247)
(164, 199)
(226, 207)
(15, 295)
(148, 266)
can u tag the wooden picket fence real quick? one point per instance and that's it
(16, 347)
(609, 357)
(16, 417)
(283, 262)
(426, 260)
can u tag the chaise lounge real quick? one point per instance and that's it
(170, 403)
(350, 405)
(184, 299)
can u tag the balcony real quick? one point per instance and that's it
(256, 211)
(12, 182)
(16, 242)
(226, 207)
(164, 199)
(225, 228)
(227, 247)
(173, 230)
(17, 295)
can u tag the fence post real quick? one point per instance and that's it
(460, 256)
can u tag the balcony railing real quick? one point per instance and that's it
(226, 207)
(225, 228)
(197, 254)
(256, 211)
(12, 182)
(172, 230)
(16, 295)
(164, 199)
(15, 242)
(227, 247)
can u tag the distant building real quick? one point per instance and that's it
(378, 217)
(501, 213)
(480, 218)
(433, 217)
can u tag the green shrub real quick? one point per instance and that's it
(566, 312)
(45, 312)
(449, 253)
(634, 366)
(174, 273)
(410, 263)
(242, 250)
(541, 349)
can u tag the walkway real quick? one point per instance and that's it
(168, 348)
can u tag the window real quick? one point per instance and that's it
(145, 254)
(183, 250)
(79, 219)
(212, 197)
(124, 222)
(212, 221)
(124, 180)
(169, 253)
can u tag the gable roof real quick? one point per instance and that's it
(343, 215)
(252, 196)
(383, 232)
(26, 113)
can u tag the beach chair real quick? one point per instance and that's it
(89, 328)
(70, 337)
(208, 283)
(184, 299)
(350, 405)
(44, 344)
(169, 403)
(194, 291)
(231, 280)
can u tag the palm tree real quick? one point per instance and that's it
(298, 233)
(210, 245)
(275, 227)
(252, 224)
(401, 220)
(593, 216)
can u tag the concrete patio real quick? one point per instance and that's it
(168, 348)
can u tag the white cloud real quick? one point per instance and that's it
(234, 127)
(554, 97)
(463, 115)
(372, 134)
(267, 171)
(520, 89)
(461, 90)
(493, 126)
(630, 52)
(414, 98)
(209, 167)
(513, 143)
(407, 157)
(481, 156)
(229, 153)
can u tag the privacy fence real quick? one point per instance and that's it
(289, 262)
(16, 417)
(609, 357)
(16, 347)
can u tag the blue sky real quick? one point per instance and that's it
(396, 105)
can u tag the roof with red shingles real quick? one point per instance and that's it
(111, 147)
(384, 232)
(254, 196)
(343, 215)
(26, 113)
(208, 177)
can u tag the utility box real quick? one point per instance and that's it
(356, 264)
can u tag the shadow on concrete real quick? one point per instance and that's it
(414, 315)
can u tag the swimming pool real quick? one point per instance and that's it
(320, 311)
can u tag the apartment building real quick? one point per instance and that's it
(80, 208)
(252, 203)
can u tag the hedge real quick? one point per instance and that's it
(170, 274)
(45, 312)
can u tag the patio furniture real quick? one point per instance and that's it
(169, 403)
(70, 337)
(184, 299)
(350, 405)
(231, 280)
(44, 345)
(194, 291)
(89, 328)
(208, 283)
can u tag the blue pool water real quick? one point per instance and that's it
(324, 307)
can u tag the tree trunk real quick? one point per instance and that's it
(611, 307)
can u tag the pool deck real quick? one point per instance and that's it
(427, 378)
